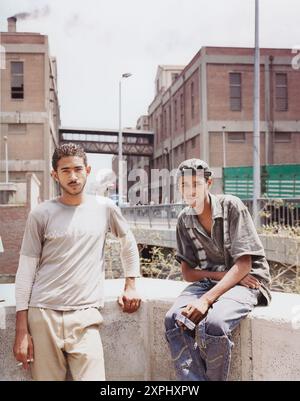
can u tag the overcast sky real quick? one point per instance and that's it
(95, 41)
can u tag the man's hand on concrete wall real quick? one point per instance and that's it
(129, 300)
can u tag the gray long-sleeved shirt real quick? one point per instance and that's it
(62, 254)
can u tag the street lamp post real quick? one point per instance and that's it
(120, 153)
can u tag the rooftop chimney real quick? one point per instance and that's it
(12, 24)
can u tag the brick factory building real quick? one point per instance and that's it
(29, 107)
(194, 105)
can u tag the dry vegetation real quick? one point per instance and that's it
(162, 264)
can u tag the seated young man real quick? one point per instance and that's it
(221, 254)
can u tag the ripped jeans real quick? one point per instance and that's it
(204, 353)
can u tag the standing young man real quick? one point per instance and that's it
(221, 254)
(59, 282)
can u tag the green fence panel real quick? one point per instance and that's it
(277, 181)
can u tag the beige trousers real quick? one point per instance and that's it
(63, 340)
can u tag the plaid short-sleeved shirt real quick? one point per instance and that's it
(233, 235)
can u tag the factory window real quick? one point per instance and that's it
(283, 136)
(236, 137)
(17, 129)
(192, 101)
(281, 92)
(17, 80)
(235, 79)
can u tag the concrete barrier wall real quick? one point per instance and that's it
(277, 248)
(266, 343)
(282, 249)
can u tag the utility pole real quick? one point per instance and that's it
(256, 123)
(120, 141)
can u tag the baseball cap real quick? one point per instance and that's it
(194, 165)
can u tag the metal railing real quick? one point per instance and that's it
(153, 214)
(284, 212)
